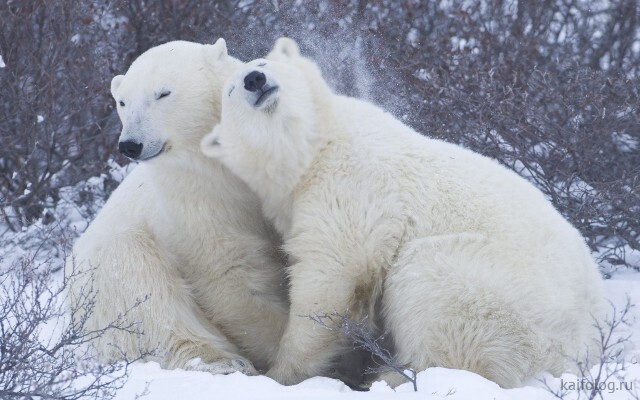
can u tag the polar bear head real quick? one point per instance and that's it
(274, 113)
(170, 98)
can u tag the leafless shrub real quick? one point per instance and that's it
(528, 84)
(609, 372)
(54, 104)
(550, 89)
(44, 351)
(363, 338)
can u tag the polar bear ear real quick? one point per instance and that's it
(210, 144)
(286, 47)
(115, 84)
(217, 51)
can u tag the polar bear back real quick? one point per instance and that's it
(443, 189)
(454, 189)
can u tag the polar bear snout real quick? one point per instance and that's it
(254, 80)
(142, 151)
(259, 88)
(130, 148)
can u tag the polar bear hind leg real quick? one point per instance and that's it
(444, 306)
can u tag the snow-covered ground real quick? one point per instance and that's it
(149, 381)
(435, 383)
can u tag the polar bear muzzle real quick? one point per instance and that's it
(130, 148)
(134, 150)
(255, 82)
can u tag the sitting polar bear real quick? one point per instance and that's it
(471, 266)
(181, 229)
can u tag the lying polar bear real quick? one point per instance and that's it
(473, 267)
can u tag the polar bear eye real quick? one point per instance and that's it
(164, 94)
(121, 103)
(262, 64)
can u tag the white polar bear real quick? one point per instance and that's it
(181, 229)
(472, 266)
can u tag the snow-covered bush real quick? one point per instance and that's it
(550, 89)
(44, 352)
(54, 107)
(611, 371)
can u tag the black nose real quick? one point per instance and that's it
(254, 81)
(130, 148)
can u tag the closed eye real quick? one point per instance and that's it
(262, 64)
(164, 94)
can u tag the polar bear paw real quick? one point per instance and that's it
(222, 366)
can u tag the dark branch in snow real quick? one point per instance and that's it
(363, 338)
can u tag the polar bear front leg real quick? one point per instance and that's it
(307, 349)
(196, 345)
(220, 363)
(132, 272)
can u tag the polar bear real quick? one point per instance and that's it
(181, 230)
(470, 265)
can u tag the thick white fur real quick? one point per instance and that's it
(473, 267)
(182, 230)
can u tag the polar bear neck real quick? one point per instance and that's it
(275, 180)
(202, 180)
(280, 177)
(192, 166)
